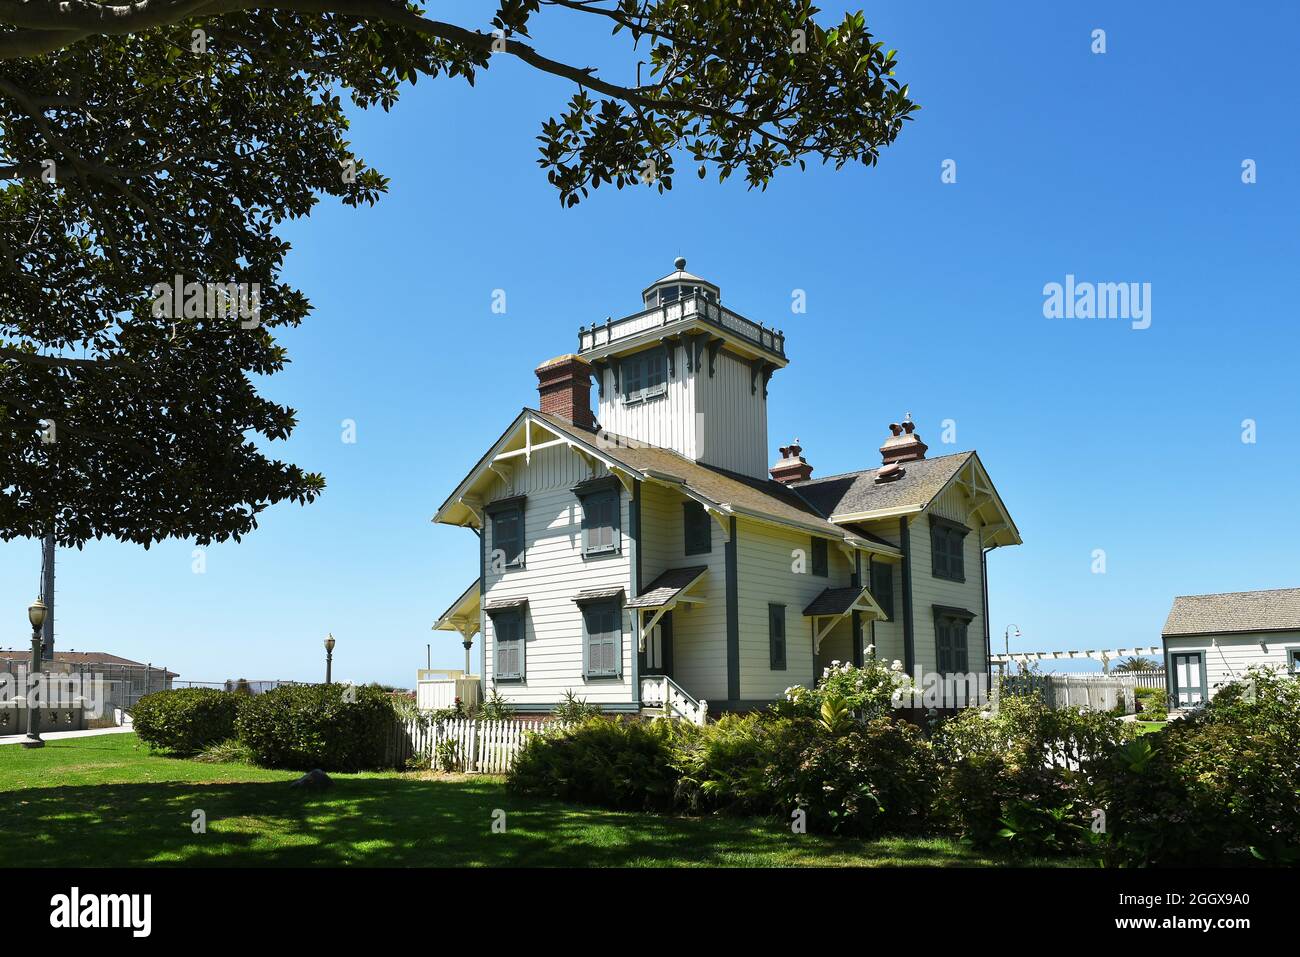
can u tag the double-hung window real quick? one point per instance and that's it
(950, 627)
(507, 546)
(946, 542)
(644, 374)
(508, 629)
(776, 637)
(882, 587)
(820, 558)
(698, 530)
(601, 526)
(602, 624)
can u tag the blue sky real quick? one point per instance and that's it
(922, 296)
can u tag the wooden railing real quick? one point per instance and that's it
(690, 307)
(660, 691)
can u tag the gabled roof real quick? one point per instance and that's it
(833, 601)
(766, 498)
(664, 589)
(857, 497)
(855, 492)
(1243, 611)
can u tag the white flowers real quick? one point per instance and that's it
(896, 666)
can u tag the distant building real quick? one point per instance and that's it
(129, 680)
(1210, 640)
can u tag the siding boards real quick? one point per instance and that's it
(555, 571)
(928, 591)
(765, 557)
(699, 631)
(715, 419)
(734, 425)
(1235, 653)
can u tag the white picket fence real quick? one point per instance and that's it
(1096, 692)
(476, 746)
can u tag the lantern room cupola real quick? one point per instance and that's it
(679, 284)
(686, 373)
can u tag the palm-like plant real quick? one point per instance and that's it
(1136, 663)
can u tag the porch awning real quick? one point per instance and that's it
(662, 595)
(666, 590)
(463, 614)
(833, 605)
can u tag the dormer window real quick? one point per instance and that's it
(644, 374)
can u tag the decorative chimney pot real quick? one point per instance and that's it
(903, 445)
(792, 467)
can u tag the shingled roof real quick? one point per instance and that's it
(1242, 611)
(765, 497)
(855, 492)
(667, 587)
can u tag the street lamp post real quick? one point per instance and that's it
(329, 659)
(35, 615)
(1006, 640)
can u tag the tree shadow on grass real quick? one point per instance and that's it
(392, 821)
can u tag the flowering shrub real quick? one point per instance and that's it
(866, 780)
(1218, 787)
(1025, 756)
(871, 691)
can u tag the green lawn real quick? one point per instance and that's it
(106, 801)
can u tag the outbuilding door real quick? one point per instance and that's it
(1189, 682)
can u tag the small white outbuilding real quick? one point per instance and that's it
(1210, 640)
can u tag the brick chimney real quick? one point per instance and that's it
(564, 384)
(904, 445)
(792, 467)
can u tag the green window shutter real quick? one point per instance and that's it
(603, 622)
(508, 628)
(600, 523)
(508, 535)
(959, 656)
(776, 637)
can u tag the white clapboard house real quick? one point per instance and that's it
(644, 555)
(1211, 640)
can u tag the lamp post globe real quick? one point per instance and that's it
(329, 658)
(36, 616)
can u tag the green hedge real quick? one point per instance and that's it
(613, 762)
(331, 727)
(185, 720)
